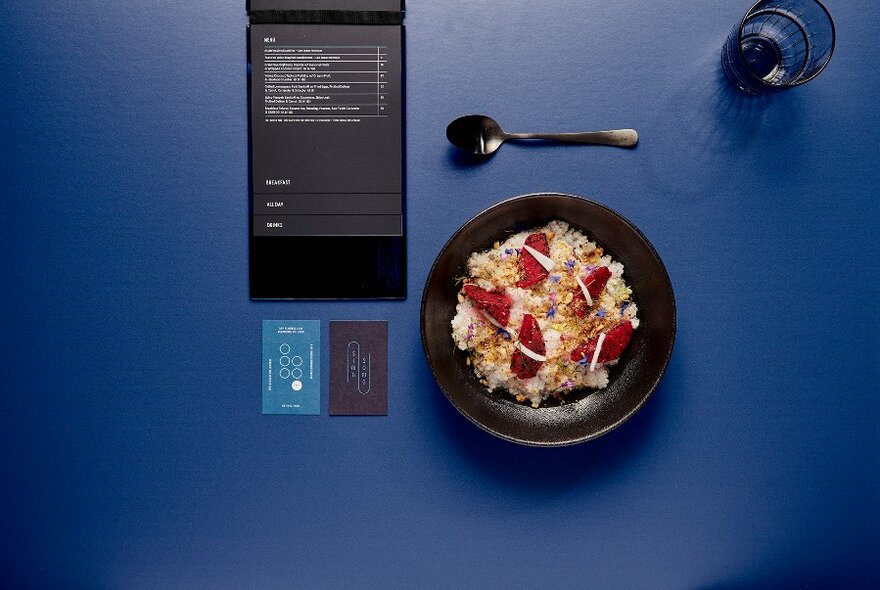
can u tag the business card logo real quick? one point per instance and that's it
(358, 369)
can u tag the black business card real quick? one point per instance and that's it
(358, 368)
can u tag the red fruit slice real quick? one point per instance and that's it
(616, 340)
(530, 337)
(530, 270)
(495, 304)
(595, 282)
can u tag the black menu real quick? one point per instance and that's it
(326, 148)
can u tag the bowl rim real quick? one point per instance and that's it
(627, 415)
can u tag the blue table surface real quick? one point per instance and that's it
(133, 450)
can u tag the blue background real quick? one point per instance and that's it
(133, 450)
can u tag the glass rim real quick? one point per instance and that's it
(742, 25)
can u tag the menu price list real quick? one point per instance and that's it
(317, 81)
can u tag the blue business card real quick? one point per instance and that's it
(292, 367)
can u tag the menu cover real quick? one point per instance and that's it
(347, 5)
(326, 150)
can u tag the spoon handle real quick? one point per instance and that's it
(616, 137)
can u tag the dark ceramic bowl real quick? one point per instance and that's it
(588, 413)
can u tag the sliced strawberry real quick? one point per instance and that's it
(616, 340)
(495, 304)
(530, 337)
(530, 270)
(595, 282)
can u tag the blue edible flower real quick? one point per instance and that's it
(601, 313)
(555, 278)
(551, 313)
(569, 264)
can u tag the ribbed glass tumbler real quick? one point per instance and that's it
(777, 45)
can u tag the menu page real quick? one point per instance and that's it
(326, 128)
(326, 156)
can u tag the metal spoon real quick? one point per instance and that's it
(481, 135)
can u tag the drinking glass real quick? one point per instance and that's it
(777, 45)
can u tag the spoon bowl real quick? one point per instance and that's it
(475, 134)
